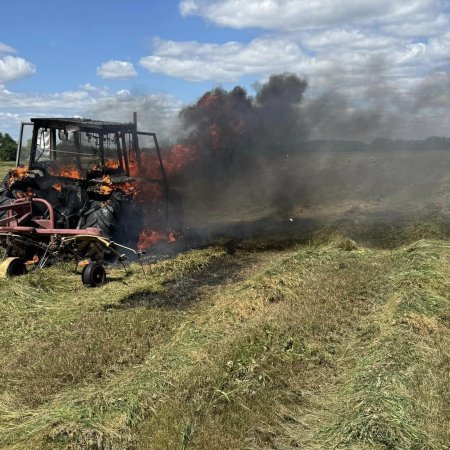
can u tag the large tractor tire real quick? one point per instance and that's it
(104, 215)
(5, 199)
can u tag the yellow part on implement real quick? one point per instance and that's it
(89, 237)
(4, 266)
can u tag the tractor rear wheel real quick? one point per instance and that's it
(103, 215)
(93, 275)
(5, 199)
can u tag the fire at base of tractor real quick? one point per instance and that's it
(88, 190)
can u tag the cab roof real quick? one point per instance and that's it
(84, 124)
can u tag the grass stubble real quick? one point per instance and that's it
(335, 340)
(320, 345)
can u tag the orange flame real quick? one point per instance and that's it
(149, 186)
(67, 172)
(147, 238)
(105, 190)
(112, 163)
(70, 172)
(175, 159)
(127, 188)
(22, 194)
(208, 100)
(16, 174)
(106, 179)
(106, 186)
(32, 261)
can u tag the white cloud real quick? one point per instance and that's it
(4, 48)
(351, 39)
(90, 87)
(188, 7)
(439, 47)
(157, 111)
(354, 47)
(13, 68)
(346, 56)
(116, 70)
(308, 14)
(224, 62)
(407, 38)
(432, 23)
(59, 101)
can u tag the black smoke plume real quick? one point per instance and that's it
(226, 124)
(240, 137)
(275, 159)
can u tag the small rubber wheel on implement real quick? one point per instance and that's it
(12, 267)
(93, 275)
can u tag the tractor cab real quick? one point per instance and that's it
(79, 149)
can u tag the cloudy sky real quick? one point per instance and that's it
(104, 59)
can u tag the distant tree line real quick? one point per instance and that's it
(430, 143)
(8, 147)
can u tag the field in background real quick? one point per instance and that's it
(333, 333)
(320, 188)
(4, 167)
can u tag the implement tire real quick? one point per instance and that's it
(93, 275)
(12, 267)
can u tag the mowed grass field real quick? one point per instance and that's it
(334, 337)
(4, 167)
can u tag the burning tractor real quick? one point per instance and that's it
(76, 191)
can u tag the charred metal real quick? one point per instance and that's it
(74, 191)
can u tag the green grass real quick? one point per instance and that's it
(327, 344)
(388, 395)
(4, 167)
(332, 336)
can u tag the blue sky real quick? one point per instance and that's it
(104, 59)
(67, 43)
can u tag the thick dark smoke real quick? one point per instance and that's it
(289, 154)
(226, 124)
(278, 100)
(239, 137)
(280, 157)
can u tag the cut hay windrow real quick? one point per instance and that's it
(320, 345)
